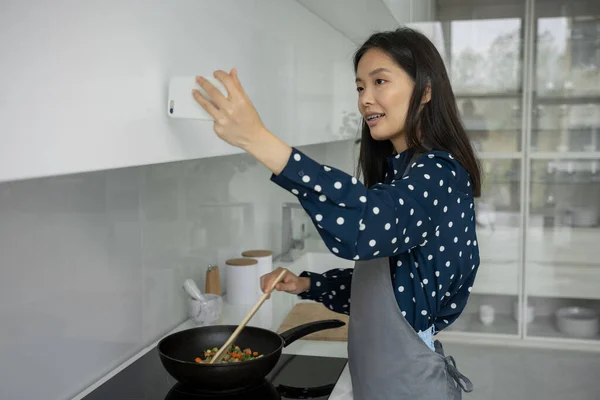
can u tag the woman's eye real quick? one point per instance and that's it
(379, 81)
(359, 89)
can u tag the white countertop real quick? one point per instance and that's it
(269, 316)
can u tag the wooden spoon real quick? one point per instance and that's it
(236, 333)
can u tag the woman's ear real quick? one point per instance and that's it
(426, 95)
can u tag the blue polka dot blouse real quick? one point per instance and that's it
(422, 221)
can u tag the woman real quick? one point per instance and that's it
(410, 227)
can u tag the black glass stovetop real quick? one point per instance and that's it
(294, 377)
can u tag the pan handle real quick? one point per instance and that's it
(298, 332)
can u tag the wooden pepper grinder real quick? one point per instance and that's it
(213, 280)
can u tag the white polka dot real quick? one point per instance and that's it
(435, 202)
(441, 182)
(394, 240)
(469, 289)
(445, 209)
(306, 179)
(414, 300)
(440, 287)
(455, 239)
(297, 157)
(447, 294)
(375, 210)
(437, 233)
(468, 183)
(356, 257)
(342, 287)
(326, 168)
(412, 211)
(458, 200)
(372, 243)
(462, 215)
(411, 187)
(475, 243)
(419, 223)
(442, 248)
(438, 165)
(335, 250)
(454, 173)
(437, 273)
(433, 294)
(430, 156)
(337, 185)
(450, 224)
(362, 227)
(319, 217)
(419, 166)
(451, 277)
(447, 263)
(467, 229)
(376, 253)
(401, 289)
(362, 199)
(342, 205)
(322, 198)
(295, 192)
(460, 253)
(426, 176)
(424, 312)
(404, 313)
(354, 180)
(425, 194)
(468, 242)
(430, 257)
(424, 234)
(340, 221)
(407, 240)
(449, 189)
(339, 240)
(453, 305)
(387, 226)
(425, 281)
(401, 202)
(317, 188)
(397, 220)
(318, 284)
(411, 275)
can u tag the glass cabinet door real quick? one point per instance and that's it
(482, 44)
(563, 189)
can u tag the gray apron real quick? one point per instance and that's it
(386, 357)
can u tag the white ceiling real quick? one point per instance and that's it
(356, 19)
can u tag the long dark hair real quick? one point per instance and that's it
(436, 126)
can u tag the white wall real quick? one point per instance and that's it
(91, 265)
(83, 84)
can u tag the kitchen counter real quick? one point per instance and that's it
(269, 316)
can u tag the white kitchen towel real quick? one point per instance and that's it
(265, 264)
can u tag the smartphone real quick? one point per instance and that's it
(181, 102)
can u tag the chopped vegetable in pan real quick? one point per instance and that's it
(233, 355)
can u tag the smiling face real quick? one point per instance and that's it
(384, 92)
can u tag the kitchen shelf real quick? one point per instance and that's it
(544, 326)
(470, 322)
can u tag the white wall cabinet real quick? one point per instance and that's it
(83, 84)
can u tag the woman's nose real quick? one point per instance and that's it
(366, 98)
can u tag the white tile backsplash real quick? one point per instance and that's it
(91, 265)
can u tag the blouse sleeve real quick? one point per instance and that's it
(331, 288)
(359, 223)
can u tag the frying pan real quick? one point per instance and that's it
(178, 350)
